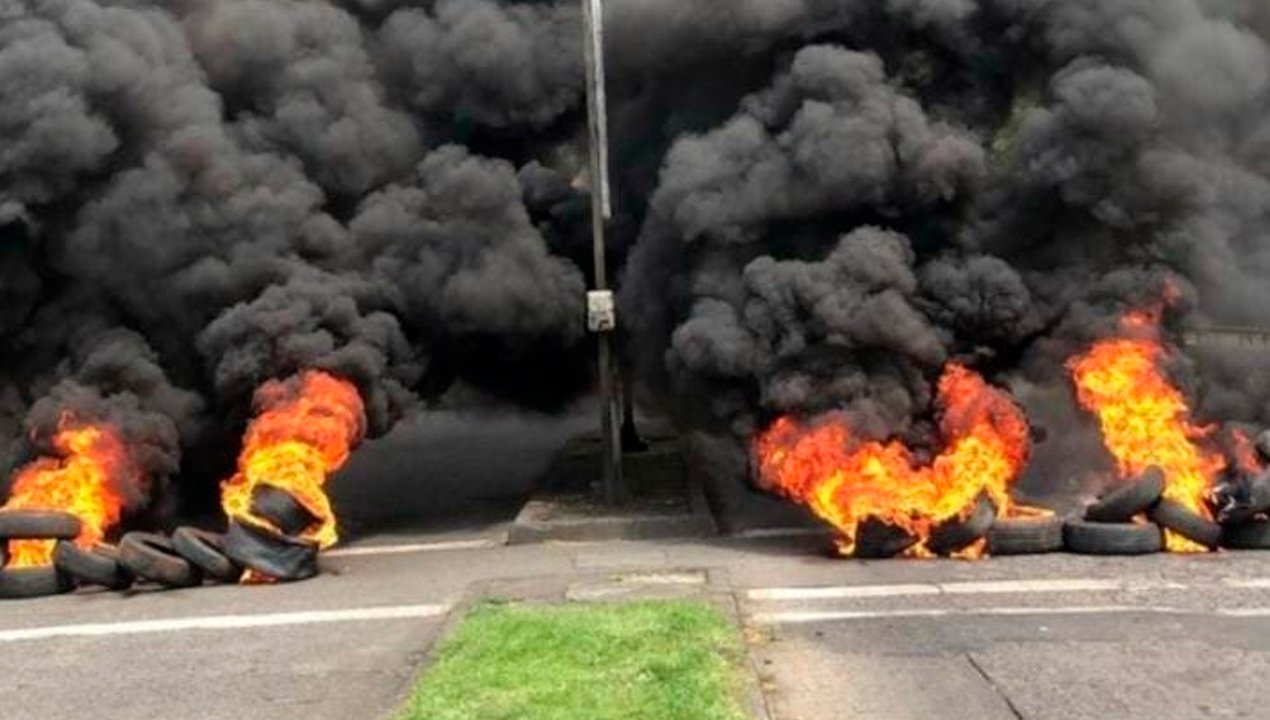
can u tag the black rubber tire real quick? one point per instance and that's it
(1259, 492)
(1252, 535)
(38, 525)
(1026, 536)
(153, 558)
(284, 558)
(956, 534)
(206, 550)
(281, 509)
(876, 540)
(99, 566)
(1131, 498)
(1262, 444)
(1243, 500)
(1178, 518)
(1094, 538)
(30, 582)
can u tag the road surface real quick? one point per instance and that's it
(1046, 637)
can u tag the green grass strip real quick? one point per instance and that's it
(631, 661)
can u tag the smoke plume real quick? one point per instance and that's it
(818, 204)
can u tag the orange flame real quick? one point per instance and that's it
(1245, 456)
(846, 481)
(305, 430)
(1144, 419)
(94, 462)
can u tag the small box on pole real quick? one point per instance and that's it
(601, 312)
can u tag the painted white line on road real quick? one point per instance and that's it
(763, 533)
(1022, 587)
(841, 592)
(413, 548)
(1245, 612)
(998, 587)
(801, 617)
(226, 622)
(1247, 583)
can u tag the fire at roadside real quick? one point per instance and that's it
(62, 510)
(1176, 485)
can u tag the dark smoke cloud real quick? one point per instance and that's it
(302, 80)
(493, 64)
(819, 203)
(829, 136)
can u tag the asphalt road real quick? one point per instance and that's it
(1047, 637)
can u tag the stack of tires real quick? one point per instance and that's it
(976, 522)
(187, 558)
(29, 582)
(277, 549)
(876, 540)
(1243, 506)
(1131, 520)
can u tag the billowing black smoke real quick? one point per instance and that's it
(819, 203)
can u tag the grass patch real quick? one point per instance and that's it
(633, 661)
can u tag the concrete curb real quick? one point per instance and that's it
(531, 527)
(716, 590)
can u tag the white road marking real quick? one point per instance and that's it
(841, 592)
(1247, 583)
(1001, 587)
(762, 533)
(226, 622)
(413, 548)
(1245, 612)
(1030, 586)
(796, 617)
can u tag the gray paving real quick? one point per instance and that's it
(1173, 637)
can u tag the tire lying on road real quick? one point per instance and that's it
(206, 550)
(152, 557)
(30, 582)
(1181, 520)
(1093, 538)
(958, 534)
(877, 540)
(1245, 500)
(281, 509)
(99, 566)
(1252, 535)
(1025, 536)
(38, 525)
(281, 557)
(1136, 496)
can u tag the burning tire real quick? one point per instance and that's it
(1121, 504)
(280, 557)
(1025, 536)
(959, 534)
(281, 509)
(30, 582)
(1242, 501)
(38, 525)
(1262, 445)
(1252, 535)
(99, 566)
(206, 550)
(1178, 518)
(1093, 538)
(876, 540)
(152, 557)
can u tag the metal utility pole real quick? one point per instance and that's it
(601, 310)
